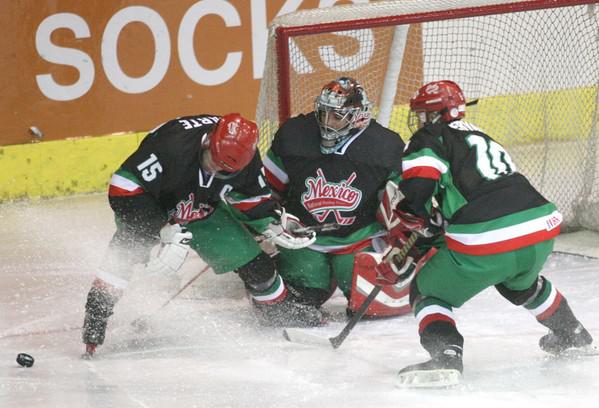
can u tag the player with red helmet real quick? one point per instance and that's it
(173, 190)
(498, 232)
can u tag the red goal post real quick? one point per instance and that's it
(533, 65)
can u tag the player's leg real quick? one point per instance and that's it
(226, 245)
(307, 275)
(447, 281)
(138, 220)
(538, 295)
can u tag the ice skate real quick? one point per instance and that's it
(443, 370)
(577, 342)
(288, 313)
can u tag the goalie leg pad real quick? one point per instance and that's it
(391, 301)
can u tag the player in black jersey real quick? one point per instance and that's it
(499, 232)
(181, 188)
(329, 166)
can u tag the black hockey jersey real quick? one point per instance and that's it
(167, 166)
(341, 187)
(489, 206)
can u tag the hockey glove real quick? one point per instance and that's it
(174, 240)
(393, 270)
(391, 198)
(289, 232)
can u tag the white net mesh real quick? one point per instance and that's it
(535, 73)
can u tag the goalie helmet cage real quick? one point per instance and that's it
(533, 65)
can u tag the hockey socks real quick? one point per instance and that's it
(440, 337)
(552, 310)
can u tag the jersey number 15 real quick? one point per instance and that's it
(150, 168)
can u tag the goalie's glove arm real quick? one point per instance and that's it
(288, 231)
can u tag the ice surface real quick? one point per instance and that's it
(205, 350)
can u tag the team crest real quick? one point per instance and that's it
(185, 213)
(324, 197)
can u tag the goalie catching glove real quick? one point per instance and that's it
(174, 240)
(289, 232)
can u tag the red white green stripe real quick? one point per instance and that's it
(492, 237)
(424, 164)
(122, 186)
(548, 306)
(275, 294)
(433, 313)
(248, 203)
(275, 174)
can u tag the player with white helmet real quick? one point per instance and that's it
(499, 232)
(331, 166)
(181, 188)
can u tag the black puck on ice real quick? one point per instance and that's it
(25, 360)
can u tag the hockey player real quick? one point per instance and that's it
(499, 232)
(329, 166)
(177, 188)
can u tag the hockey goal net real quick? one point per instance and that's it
(533, 65)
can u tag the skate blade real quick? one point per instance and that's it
(588, 350)
(441, 378)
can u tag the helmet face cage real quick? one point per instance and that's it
(437, 100)
(341, 107)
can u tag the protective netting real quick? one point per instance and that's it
(535, 73)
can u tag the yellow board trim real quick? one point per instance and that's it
(64, 167)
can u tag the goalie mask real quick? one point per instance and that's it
(434, 101)
(341, 109)
(230, 147)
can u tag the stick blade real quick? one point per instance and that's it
(302, 337)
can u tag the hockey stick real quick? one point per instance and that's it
(296, 335)
(142, 321)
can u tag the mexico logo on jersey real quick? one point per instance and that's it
(184, 211)
(323, 198)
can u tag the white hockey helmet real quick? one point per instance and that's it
(341, 109)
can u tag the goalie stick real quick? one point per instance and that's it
(300, 336)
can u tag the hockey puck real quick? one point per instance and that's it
(25, 360)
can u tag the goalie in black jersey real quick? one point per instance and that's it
(499, 232)
(330, 166)
(180, 188)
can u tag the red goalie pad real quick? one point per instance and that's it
(392, 300)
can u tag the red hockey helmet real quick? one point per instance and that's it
(436, 100)
(232, 143)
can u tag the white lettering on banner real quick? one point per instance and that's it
(84, 64)
(162, 46)
(187, 54)
(336, 62)
(260, 32)
(65, 56)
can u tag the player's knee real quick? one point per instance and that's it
(259, 273)
(521, 297)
